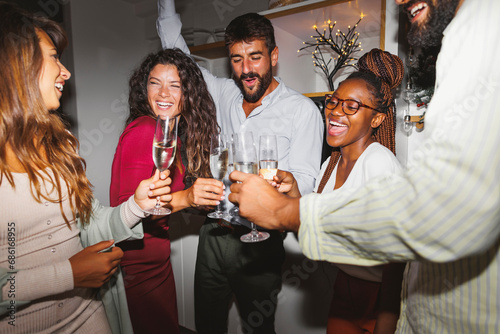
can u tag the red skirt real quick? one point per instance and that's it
(355, 305)
(149, 281)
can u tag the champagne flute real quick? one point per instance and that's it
(219, 158)
(229, 141)
(164, 147)
(245, 160)
(268, 156)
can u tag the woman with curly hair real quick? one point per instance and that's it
(360, 128)
(48, 214)
(170, 83)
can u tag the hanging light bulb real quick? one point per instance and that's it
(409, 92)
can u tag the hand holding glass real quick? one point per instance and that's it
(219, 158)
(245, 160)
(164, 147)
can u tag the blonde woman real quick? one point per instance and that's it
(48, 212)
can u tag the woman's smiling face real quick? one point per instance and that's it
(352, 130)
(165, 90)
(53, 74)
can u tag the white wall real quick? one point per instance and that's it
(108, 42)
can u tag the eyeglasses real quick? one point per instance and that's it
(349, 107)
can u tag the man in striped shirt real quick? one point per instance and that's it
(443, 212)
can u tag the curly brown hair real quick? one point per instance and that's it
(39, 140)
(198, 114)
(383, 72)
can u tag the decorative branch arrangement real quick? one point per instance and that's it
(344, 45)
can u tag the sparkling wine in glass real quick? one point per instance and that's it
(245, 160)
(219, 160)
(229, 141)
(268, 156)
(164, 147)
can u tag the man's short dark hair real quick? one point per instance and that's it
(248, 27)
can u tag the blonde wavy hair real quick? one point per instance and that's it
(36, 136)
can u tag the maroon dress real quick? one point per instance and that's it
(148, 276)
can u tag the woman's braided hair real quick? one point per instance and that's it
(383, 72)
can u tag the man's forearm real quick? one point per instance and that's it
(288, 214)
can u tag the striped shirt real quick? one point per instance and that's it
(443, 212)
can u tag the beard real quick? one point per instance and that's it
(262, 84)
(430, 32)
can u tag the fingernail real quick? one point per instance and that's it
(223, 193)
(223, 186)
(222, 198)
(151, 186)
(150, 193)
(217, 203)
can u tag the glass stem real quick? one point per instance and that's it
(254, 229)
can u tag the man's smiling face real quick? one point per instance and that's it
(428, 18)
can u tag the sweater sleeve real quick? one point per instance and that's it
(19, 286)
(118, 223)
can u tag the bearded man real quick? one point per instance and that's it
(252, 101)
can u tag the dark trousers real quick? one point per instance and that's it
(251, 272)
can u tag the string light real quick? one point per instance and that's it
(344, 45)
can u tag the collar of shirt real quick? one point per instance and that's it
(269, 99)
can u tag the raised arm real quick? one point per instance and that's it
(169, 26)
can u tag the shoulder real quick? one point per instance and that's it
(139, 126)
(138, 131)
(217, 85)
(379, 152)
(296, 102)
(143, 122)
(325, 164)
(292, 95)
(378, 159)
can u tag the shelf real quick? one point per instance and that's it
(210, 50)
(318, 94)
(218, 49)
(299, 7)
(301, 24)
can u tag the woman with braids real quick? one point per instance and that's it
(360, 128)
(48, 212)
(166, 83)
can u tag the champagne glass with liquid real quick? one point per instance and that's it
(219, 159)
(268, 156)
(164, 147)
(245, 160)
